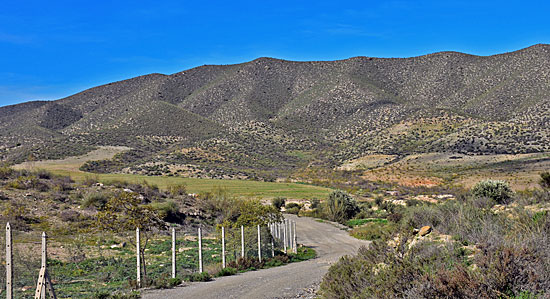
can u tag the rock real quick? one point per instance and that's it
(424, 230)
(121, 245)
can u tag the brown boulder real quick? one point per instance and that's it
(425, 230)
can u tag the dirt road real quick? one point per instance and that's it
(296, 280)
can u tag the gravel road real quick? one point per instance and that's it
(296, 280)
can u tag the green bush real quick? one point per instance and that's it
(545, 180)
(95, 199)
(293, 210)
(372, 231)
(278, 202)
(203, 276)
(340, 206)
(180, 189)
(499, 191)
(5, 171)
(227, 271)
(246, 263)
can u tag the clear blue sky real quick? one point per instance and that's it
(51, 49)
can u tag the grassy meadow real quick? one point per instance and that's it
(240, 188)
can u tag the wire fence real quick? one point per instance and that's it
(84, 266)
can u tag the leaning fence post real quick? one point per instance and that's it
(173, 252)
(223, 247)
(200, 250)
(242, 241)
(259, 244)
(9, 265)
(138, 262)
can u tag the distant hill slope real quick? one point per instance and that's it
(269, 117)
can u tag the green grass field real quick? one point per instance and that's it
(240, 188)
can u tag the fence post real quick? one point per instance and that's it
(284, 235)
(242, 241)
(272, 246)
(295, 240)
(223, 247)
(259, 244)
(44, 261)
(200, 250)
(138, 263)
(173, 252)
(9, 265)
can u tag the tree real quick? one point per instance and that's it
(340, 206)
(125, 212)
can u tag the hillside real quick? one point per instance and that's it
(270, 118)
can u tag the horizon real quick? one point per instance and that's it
(53, 50)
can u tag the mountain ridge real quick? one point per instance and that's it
(271, 113)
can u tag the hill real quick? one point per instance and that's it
(270, 118)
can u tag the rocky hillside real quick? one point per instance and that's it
(269, 117)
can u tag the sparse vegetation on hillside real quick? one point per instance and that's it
(269, 118)
(463, 248)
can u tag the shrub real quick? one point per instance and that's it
(246, 263)
(372, 231)
(227, 271)
(203, 276)
(499, 191)
(166, 282)
(96, 199)
(5, 171)
(180, 189)
(340, 206)
(315, 203)
(168, 211)
(545, 180)
(293, 210)
(278, 202)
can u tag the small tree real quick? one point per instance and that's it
(278, 202)
(499, 191)
(545, 180)
(340, 206)
(125, 212)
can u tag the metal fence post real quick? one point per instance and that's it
(295, 240)
(138, 263)
(9, 264)
(173, 252)
(200, 250)
(242, 241)
(259, 244)
(223, 247)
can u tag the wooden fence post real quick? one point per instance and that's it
(9, 264)
(200, 250)
(138, 262)
(44, 281)
(173, 252)
(242, 241)
(259, 244)
(223, 247)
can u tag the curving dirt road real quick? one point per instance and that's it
(296, 280)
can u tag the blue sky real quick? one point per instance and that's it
(51, 49)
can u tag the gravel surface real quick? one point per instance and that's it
(296, 280)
